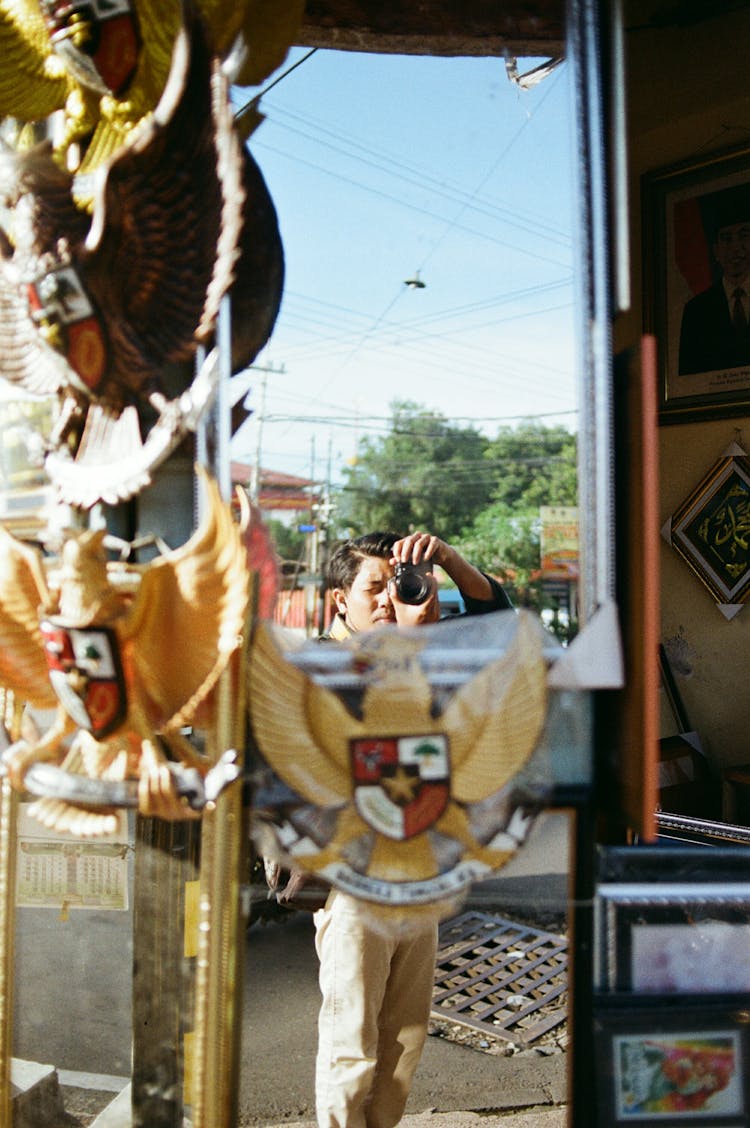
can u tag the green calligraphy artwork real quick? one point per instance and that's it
(721, 531)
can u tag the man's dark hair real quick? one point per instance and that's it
(347, 558)
(728, 208)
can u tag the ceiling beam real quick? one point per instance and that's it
(436, 27)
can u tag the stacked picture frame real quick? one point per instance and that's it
(672, 972)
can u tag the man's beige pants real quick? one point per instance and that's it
(373, 1019)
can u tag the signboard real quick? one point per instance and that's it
(558, 541)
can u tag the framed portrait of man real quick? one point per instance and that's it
(697, 284)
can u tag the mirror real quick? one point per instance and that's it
(427, 211)
(423, 369)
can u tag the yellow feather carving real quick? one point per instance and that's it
(304, 732)
(33, 80)
(300, 728)
(188, 617)
(495, 720)
(23, 592)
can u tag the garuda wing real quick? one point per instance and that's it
(27, 359)
(188, 617)
(167, 219)
(494, 721)
(23, 593)
(268, 28)
(33, 80)
(259, 272)
(301, 728)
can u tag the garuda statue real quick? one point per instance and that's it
(126, 655)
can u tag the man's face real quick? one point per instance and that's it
(367, 603)
(732, 251)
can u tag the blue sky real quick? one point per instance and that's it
(384, 166)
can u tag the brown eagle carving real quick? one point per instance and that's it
(107, 310)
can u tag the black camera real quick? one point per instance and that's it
(412, 582)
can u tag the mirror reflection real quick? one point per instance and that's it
(421, 378)
(509, 941)
(421, 374)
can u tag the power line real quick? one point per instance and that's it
(501, 157)
(387, 421)
(453, 226)
(285, 74)
(422, 179)
(415, 333)
(443, 315)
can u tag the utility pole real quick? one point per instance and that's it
(324, 509)
(255, 476)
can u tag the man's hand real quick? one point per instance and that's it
(415, 549)
(424, 546)
(418, 547)
(417, 614)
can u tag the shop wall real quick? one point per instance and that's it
(688, 95)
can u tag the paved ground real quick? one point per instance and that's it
(455, 1086)
(537, 1118)
(278, 1056)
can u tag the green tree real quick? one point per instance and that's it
(503, 542)
(289, 542)
(534, 465)
(425, 473)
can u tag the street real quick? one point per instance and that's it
(281, 1002)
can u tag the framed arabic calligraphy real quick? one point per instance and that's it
(711, 530)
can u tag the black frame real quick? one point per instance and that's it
(706, 528)
(660, 1050)
(676, 201)
(666, 882)
(681, 907)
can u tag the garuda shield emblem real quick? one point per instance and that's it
(98, 39)
(401, 784)
(86, 674)
(395, 786)
(59, 303)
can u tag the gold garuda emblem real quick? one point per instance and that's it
(125, 656)
(388, 786)
(102, 65)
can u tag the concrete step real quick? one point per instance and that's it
(36, 1098)
(117, 1114)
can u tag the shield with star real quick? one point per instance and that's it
(402, 783)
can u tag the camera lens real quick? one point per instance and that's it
(412, 586)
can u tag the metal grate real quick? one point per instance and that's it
(501, 978)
